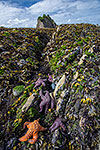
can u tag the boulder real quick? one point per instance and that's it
(18, 90)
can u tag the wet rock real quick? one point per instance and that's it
(59, 84)
(11, 142)
(77, 105)
(5, 53)
(61, 102)
(91, 50)
(82, 59)
(76, 75)
(55, 136)
(21, 62)
(71, 55)
(92, 111)
(28, 103)
(99, 140)
(1, 148)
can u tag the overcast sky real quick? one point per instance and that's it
(24, 13)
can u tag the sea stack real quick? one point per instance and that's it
(45, 22)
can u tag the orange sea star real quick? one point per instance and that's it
(33, 129)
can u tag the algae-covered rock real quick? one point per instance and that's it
(18, 90)
(76, 50)
(72, 56)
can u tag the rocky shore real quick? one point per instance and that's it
(68, 59)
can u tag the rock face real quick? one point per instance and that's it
(45, 22)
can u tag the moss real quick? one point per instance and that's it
(92, 70)
(87, 73)
(32, 112)
(74, 64)
(37, 39)
(80, 42)
(86, 39)
(68, 67)
(50, 117)
(80, 87)
(77, 90)
(59, 142)
(63, 46)
(1, 71)
(23, 102)
(15, 45)
(89, 54)
(6, 34)
(95, 84)
(84, 81)
(19, 88)
(81, 70)
(30, 87)
(29, 59)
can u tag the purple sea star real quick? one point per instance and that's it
(50, 79)
(45, 101)
(56, 124)
(40, 82)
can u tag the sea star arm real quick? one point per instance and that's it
(52, 126)
(47, 105)
(55, 127)
(50, 79)
(42, 128)
(62, 125)
(43, 83)
(25, 124)
(26, 136)
(41, 94)
(43, 102)
(42, 105)
(56, 124)
(52, 103)
(34, 139)
(23, 138)
(44, 79)
(38, 82)
(38, 119)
